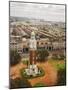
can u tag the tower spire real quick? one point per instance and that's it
(32, 35)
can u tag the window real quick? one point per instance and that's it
(42, 43)
(37, 43)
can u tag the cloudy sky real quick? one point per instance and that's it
(48, 12)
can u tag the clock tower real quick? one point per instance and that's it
(33, 48)
(32, 67)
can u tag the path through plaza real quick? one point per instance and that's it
(49, 79)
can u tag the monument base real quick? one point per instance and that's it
(32, 70)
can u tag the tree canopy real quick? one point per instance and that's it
(14, 57)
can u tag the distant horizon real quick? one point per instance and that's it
(47, 12)
(37, 19)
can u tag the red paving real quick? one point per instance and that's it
(48, 79)
(15, 70)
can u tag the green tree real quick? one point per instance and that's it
(61, 74)
(42, 55)
(15, 57)
(19, 83)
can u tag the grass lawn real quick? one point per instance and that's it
(23, 74)
(57, 64)
(25, 62)
(39, 85)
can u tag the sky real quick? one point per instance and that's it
(48, 12)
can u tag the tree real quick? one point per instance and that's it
(61, 75)
(19, 83)
(42, 55)
(15, 57)
(58, 57)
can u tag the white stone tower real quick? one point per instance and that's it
(32, 67)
